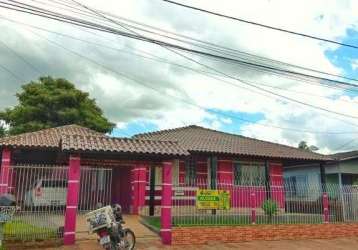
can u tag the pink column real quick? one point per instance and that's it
(74, 171)
(325, 208)
(139, 181)
(5, 170)
(253, 207)
(166, 204)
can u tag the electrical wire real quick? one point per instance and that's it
(264, 25)
(344, 145)
(249, 64)
(35, 69)
(231, 77)
(209, 45)
(164, 61)
(149, 86)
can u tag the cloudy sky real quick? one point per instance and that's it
(144, 87)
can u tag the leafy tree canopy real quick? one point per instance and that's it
(303, 145)
(51, 102)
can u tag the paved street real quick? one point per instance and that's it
(150, 244)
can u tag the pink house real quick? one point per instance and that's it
(146, 170)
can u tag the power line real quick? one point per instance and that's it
(264, 25)
(234, 78)
(192, 60)
(87, 24)
(158, 59)
(345, 144)
(11, 73)
(140, 38)
(21, 57)
(183, 100)
(219, 48)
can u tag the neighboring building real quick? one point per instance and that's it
(344, 170)
(338, 177)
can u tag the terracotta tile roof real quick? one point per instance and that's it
(120, 145)
(46, 138)
(345, 155)
(74, 137)
(199, 139)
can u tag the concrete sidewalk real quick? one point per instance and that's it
(150, 244)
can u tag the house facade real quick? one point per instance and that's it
(341, 171)
(145, 172)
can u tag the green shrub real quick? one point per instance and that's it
(270, 208)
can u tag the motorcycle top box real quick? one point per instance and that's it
(100, 218)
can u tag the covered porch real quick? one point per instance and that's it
(86, 173)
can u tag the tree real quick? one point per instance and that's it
(303, 145)
(51, 102)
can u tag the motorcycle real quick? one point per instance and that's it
(107, 223)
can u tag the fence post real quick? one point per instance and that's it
(74, 171)
(325, 208)
(253, 207)
(5, 170)
(166, 204)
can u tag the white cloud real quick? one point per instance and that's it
(354, 64)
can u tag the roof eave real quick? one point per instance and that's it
(262, 156)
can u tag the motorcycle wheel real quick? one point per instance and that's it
(110, 246)
(129, 239)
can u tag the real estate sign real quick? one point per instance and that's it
(212, 199)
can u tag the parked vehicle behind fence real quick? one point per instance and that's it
(46, 192)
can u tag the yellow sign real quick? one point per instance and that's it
(212, 199)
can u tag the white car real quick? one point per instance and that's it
(47, 192)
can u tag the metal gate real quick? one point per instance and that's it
(349, 196)
(95, 188)
(40, 192)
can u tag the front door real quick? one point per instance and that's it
(122, 188)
